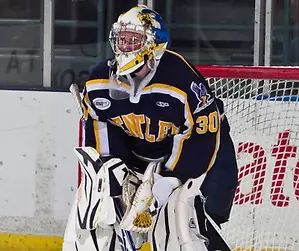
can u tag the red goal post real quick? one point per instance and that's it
(249, 72)
(262, 106)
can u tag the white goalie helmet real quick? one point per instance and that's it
(138, 35)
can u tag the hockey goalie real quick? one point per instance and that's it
(158, 165)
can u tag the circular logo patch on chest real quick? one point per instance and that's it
(101, 103)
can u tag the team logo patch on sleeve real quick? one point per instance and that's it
(202, 95)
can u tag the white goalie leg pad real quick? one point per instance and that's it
(70, 236)
(187, 226)
(75, 239)
(166, 234)
(100, 239)
(175, 225)
(185, 202)
(95, 206)
(163, 236)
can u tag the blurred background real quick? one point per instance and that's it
(50, 44)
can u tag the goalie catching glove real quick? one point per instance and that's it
(140, 205)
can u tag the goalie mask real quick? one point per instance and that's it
(138, 36)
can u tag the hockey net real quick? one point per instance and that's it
(262, 106)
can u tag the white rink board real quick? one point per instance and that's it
(38, 170)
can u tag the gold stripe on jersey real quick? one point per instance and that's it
(223, 116)
(97, 81)
(96, 135)
(104, 83)
(87, 109)
(85, 106)
(166, 89)
(180, 138)
(97, 84)
(186, 62)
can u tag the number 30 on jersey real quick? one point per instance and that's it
(208, 123)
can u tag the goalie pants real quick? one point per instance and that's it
(219, 189)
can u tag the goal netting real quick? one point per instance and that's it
(262, 106)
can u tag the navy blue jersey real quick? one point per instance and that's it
(175, 116)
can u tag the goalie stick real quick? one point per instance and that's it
(74, 89)
(123, 236)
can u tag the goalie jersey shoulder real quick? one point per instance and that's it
(176, 71)
(174, 75)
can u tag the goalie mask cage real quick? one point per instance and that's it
(261, 104)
